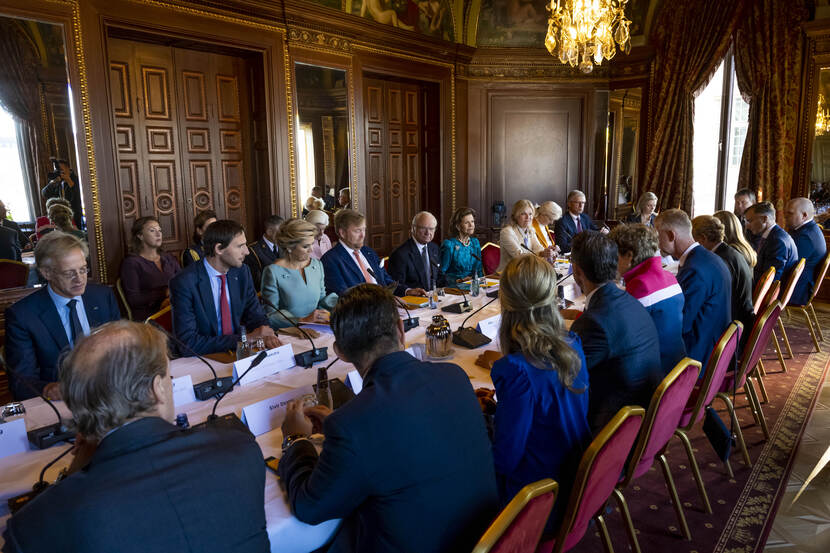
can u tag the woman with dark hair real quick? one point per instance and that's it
(195, 251)
(147, 269)
(461, 252)
(541, 424)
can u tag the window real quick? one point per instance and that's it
(15, 195)
(719, 134)
(305, 158)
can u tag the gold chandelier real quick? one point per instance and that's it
(822, 116)
(586, 30)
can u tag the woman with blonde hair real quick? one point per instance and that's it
(295, 283)
(517, 237)
(645, 212)
(541, 424)
(546, 215)
(62, 217)
(733, 235)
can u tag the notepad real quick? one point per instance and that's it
(414, 301)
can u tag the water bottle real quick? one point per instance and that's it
(242, 348)
(475, 286)
(323, 390)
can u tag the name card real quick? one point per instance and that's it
(183, 390)
(355, 381)
(278, 359)
(490, 327)
(13, 437)
(418, 351)
(268, 414)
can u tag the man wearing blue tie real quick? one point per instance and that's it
(214, 298)
(45, 323)
(775, 247)
(809, 240)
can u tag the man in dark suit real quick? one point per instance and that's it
(708, 231)
(138, 481)
(22, 239)
(415, 263)
(620, 341)
(573, 221)
(66, 185)
(9, 246)
(350, 262)
(810, 243)
(265, 250)
(214, 298)
(775, 247)
(744, 199)
(706, 284)
(43, 324)
(407, 463)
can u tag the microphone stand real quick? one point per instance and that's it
(17, 502)
(208, 388)
(410, 322)
(469, 337)
(45, 436)
(307, 358)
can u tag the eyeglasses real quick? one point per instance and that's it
(430, 229)
(73, 273)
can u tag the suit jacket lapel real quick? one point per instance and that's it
(93, 312)
(52, 321)
(206, 295)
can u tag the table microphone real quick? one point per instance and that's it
(460, 307)
(469, 337)
(17, 502)
(257, 360)
(208, 388)
(410, 322)
(307, 358)
(49, 435)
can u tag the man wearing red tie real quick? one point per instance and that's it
(213, 299)
(350, 262)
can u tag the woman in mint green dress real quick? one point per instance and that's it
(295, 282)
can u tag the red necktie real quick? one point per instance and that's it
(225, 307)
(366, 274)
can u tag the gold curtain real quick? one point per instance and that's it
(691, 38)
(769, 48)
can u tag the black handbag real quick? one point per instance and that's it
(721, 437)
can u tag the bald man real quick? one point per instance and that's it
(809, 240)
(416, 262)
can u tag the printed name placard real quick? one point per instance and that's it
(183, 390)
(355, 381)
(266, 415)
(13, 437)
(490, 327)
(278, 359)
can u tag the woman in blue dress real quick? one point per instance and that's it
(295, 282)
(461, 253)
(541, 425)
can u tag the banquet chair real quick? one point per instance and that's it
(490, 257)
(786, 294)
(754, 348)
(164, 318)
(772, 297)
(720, 362)
(815, 332)
(520, 524)
(761, 289)
(13, 274)
(598, 473)
(661, 420)
(122, 299)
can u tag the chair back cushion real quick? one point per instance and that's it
(490, 257)
(601, 470)
(664, 413)
(757, 343)
(720, 362)
(13, 274)
(795, 274)
(164, 318)
(524, 532)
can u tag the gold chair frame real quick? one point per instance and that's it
(119, 288)
(161, 312)
(815, 333)
(786, 294)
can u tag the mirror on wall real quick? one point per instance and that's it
(38, 151)
(322, 137)
(820, 175)
(624, 138)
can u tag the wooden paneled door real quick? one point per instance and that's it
(180, 133)
(394, 161)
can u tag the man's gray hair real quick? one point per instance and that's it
(574, 193)
(57, 244)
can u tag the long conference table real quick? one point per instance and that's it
(287, 534)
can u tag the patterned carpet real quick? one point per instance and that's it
(744, 506)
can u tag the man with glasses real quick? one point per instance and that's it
(415, 263)
(45, 323)
(574, 221)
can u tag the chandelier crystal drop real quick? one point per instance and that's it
(587, 31)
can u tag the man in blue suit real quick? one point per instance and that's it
(350, 262)
(214, 298)
(620, 341)
(45, 323)
(775, 247)
(809, 240)
(415, 263)
(265, 250)
(406, 464)
(573, 221)
(706, 284)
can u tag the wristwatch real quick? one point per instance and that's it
(288, 441)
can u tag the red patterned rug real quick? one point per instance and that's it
(744, 506)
